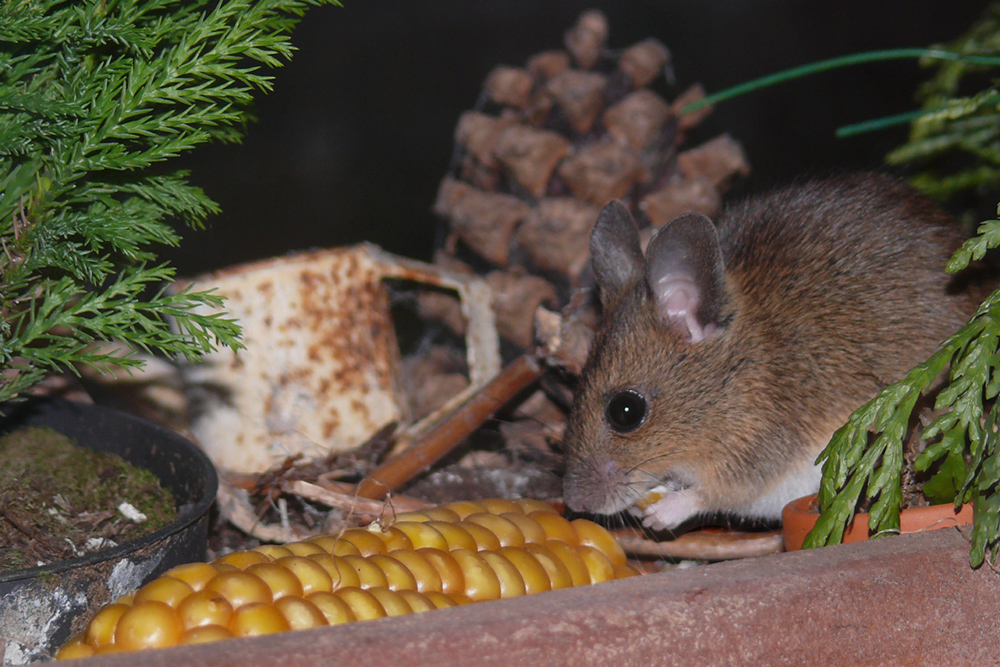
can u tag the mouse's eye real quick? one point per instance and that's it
(626, 410)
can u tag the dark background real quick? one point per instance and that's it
(357, 134)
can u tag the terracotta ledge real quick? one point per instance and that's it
(904, 600)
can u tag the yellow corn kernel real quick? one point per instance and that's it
(195, 574)
(506, 530)
(417, 601)
(597, 563)
(165, 589)
(441, 513)
(367, 542)
(340, 571)
(440, 600)
(422, 535)
(481, 582)
(456, 536)
(304, 548)
(398, 576)
(204, 634)
(240, 588)
(452, 579)
(101, 629)
(363, 604)
(393, 537)
(558, 573)
(300, 613)
(311, 575)
(417, 517)
(279, 579)
(511, 581)
(369, 574)
(273, 551)
(425, 574)
(333, 608)
(624, 571)
(345, 548)
(531, 529)
(578, 571)
(485, 539)
(110, 648)
(500, 505)
(596, 536)
(325, 542)
(244, 559)
(206, 607)
(464, 508)
(530, 506)
(393, 603)
(74, 648)
(149, 624)
(536, 579)
(556, 527)
(257, 618)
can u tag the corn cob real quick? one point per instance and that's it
(443, 556)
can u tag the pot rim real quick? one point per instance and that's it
(188, 513)
(799, 517)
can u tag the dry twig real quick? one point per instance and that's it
(450, 431)
(705, 544)
(344, 497)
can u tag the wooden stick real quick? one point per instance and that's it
(705, 544)
(452, 430)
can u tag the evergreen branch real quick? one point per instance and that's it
(92, 93)
(57, 329)
(926, 117)
(26, 20)
(853, 464)
(986, 508)
(960, 127)
(169, 192)
(945, 187)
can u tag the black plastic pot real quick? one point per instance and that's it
(42, 607)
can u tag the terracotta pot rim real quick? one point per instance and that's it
(800, 515)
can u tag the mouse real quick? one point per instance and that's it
(728, 353)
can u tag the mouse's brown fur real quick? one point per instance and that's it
(831, 291)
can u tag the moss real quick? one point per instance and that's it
(55, 496)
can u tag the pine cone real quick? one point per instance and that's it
(551, 142)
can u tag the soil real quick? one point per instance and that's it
(60, 501)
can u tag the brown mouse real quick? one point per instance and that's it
(729, 354)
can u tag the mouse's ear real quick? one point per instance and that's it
(615, 253)
(684, 270)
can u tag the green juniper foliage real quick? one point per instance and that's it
(92, 94)
(866, 455)
(955, 139)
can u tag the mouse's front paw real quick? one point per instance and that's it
(670, 509)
